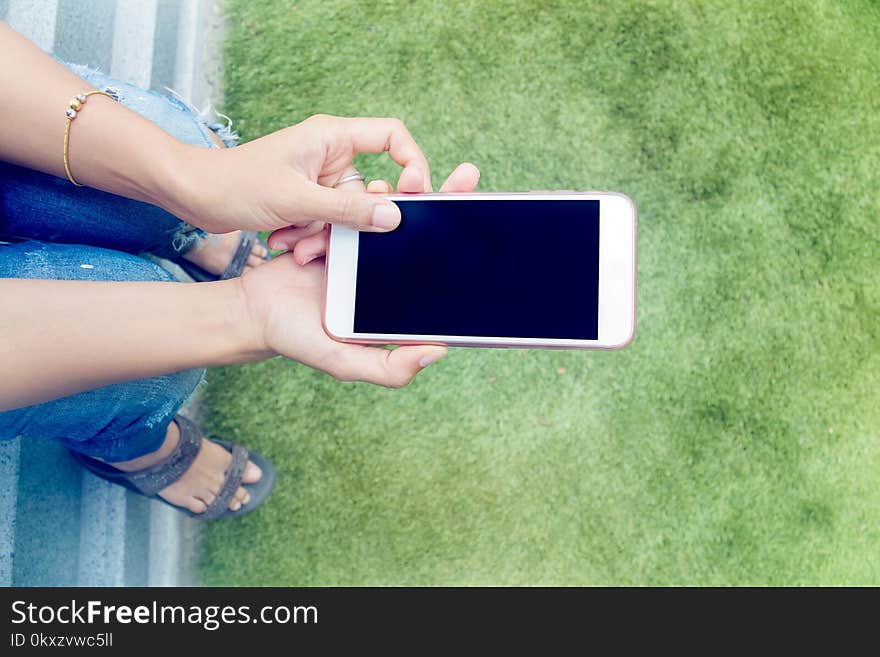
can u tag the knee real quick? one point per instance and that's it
(128, 420)
(168, 112)
(76, 263)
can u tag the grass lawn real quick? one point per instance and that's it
(737, 441)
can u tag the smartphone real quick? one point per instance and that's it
(529, 270)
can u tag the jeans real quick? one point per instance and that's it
(64, 232)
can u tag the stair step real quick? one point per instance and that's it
(35, 19)
(47, 526)
(102, 539)
(9, 465)
(60, 525)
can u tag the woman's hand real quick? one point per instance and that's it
(284, 299)
(286, 178)
(310, 241)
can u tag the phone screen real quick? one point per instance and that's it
(490, 268)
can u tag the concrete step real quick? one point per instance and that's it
(60, 525)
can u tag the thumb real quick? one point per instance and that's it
(385, 367)
(349, 208)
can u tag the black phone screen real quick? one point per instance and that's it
(483, 268)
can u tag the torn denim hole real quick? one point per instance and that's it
(93, 75)
(138, 99)
(209, 118)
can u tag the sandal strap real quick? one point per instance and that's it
(239, 258)
(234, 475)
(153, 479)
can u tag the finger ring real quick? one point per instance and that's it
(357, 175)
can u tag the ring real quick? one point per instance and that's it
(357, 175)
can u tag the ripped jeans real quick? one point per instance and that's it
(51, 229)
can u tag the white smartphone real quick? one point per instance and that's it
(489, 270)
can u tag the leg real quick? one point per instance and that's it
(121, 423)
(34, 205)
(116, 422)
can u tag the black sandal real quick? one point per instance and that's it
(236, 265)
(150, 481)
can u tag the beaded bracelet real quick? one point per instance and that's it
(74, 106)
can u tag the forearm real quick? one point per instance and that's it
(111, 147)
(62, 337)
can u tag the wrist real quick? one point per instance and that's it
(246, 324)
(181, 181)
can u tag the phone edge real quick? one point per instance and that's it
(497, 345)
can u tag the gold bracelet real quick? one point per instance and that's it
(74, 106)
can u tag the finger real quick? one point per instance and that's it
(310, 248)
(380, 187)
(284, 239)
(463, 179)
(374, 135)
(412, 181)
(353, 185)
(386, 367)
(349, 208)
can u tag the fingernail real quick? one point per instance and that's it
(427, 360)
(253, 471)
(386, 215)
(247, 498)
(309, 259)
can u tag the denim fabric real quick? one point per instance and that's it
(36, 205)
(78, 233)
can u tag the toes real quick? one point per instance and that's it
(252, 473)
(196, 506)
(241, 497)
(257, 255)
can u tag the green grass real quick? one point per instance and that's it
(737, 441)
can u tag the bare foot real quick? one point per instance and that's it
(215, 251)
(199, 485)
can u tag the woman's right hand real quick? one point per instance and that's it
(310, 241)
(287, 178)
